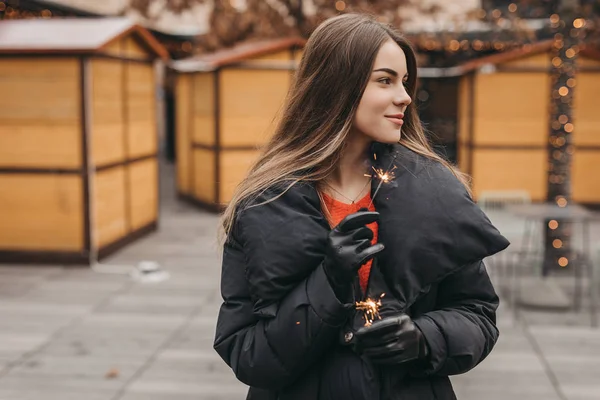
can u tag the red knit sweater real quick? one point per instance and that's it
(338, 211)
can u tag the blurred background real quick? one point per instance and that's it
(125, 126)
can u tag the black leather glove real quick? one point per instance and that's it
(349, 247)
(392, 340)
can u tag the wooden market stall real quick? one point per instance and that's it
(226, 103)
(78, 138)
(504, 122)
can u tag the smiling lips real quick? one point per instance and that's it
(396, 118)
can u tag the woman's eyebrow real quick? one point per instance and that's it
(389, 71)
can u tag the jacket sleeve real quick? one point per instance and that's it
(462, 330)
(271, 348)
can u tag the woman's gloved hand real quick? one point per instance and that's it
(349, 247)
(392, 340)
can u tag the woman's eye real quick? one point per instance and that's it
(387, 81)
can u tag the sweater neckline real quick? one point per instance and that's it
(364, 201)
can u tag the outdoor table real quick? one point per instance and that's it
(538, 214)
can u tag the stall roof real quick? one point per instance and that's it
(238, 53)
(500, 58)
(71, 35)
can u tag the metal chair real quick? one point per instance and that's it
(490, 200)
(493, 203)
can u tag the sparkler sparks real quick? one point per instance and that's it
(384, 176)
(370, 308)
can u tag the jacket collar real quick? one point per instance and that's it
(429, 224)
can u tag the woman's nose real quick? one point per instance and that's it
(402, 98)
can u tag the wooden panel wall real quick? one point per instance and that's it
(114, 48)
(43, 212)
(108, 119)
(141, 110)
(585, 176)
(586, 115)
(250, 103)
(110, 221)
(510, 170)
(587, 62)
(123, 129)
(586, 136)
(464, 122)
(203, 99)
(143, 192)
(182, 132)
(510, 133)
(133, 48)
(129, 46)
(40, 116)
(512, 109)
(203, 175)
(234, 166)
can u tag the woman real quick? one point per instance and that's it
(307, 238)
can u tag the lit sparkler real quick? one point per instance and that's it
(370, 308)
(384, 176)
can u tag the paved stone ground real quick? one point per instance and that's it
(73, 334)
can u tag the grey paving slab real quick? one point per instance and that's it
(107, 321)
(23, 342)
(179, 396)
(189, 362)
(169, 387)
(43, 382)
(150, 304)
(88, 279)
(11, 289)
(33, 272)
(105, 343)
(192, 339)
(199, 370)
(68, 288)
(23, 324)
(8, 360)
(585, 391)
(65, 367)
(45, 393)
(198, 293)
(506, 392)
(58, 298)
(154, 297)
(33, 308)
(572, 341)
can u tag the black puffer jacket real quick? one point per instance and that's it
(285, 334)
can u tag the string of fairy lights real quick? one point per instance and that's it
(563, 75)
(12, 11)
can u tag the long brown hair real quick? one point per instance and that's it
(319, 111)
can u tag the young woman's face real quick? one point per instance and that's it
(380, 113)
